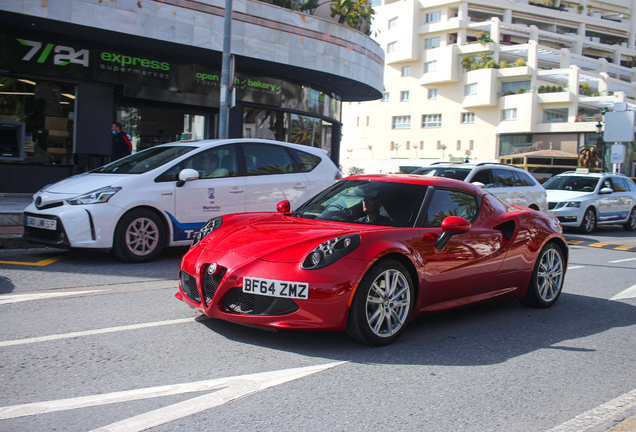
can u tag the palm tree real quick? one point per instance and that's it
(589, 156)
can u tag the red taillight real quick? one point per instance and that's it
(338, 175)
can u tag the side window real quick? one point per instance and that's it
(618, 185)
(504, 178)
(484, 176)
(606, 183)
(630, 185)
(216, 162)
(450, 202)
(263, 159)
(523, 179)
(306, 161)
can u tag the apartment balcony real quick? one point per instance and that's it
(476, 48)
(518, 71)
(565, 127)
(557, 97)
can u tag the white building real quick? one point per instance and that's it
(550, 71)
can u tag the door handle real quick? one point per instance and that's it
(236, 191)
(300, 186)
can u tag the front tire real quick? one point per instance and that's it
(547, 278)
(588, 224)
(631, 222)
(382, 305)
(139, 236)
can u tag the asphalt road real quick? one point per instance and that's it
(88, 342)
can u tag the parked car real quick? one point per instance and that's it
(510, 184)
(162, 196)
(583, 200)
(369, 254)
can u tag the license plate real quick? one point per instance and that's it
(275, 288)
(49, 224)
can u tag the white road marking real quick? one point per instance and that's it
(602, 413)
(16, 298)
(575, 267)
(228, 389)
(93, 332)
(623, 260)
(628, 293)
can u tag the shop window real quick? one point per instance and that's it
(46, 112)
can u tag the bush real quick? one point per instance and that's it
(541, 89)
(355, 171)
(521, 90)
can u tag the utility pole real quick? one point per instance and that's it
(224, 113)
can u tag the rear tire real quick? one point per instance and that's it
(139, 236)
(382, 305)
(588, 224)
(547, 278)
(631, 222)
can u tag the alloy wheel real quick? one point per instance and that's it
(550, 275)
(388, 303)
(142, 236)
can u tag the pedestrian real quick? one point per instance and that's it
(121, 143)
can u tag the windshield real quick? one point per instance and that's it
(572, 183)
(367, 202)
(144, 161)
(448, 172)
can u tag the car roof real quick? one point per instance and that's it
(215, 142)
(441, 182)
(594, 175)
(474, 165)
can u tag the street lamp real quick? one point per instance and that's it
(600, 143)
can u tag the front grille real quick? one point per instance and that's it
(50, 205)
(238, 302)
(41, 232)
(211, 283)
(551, 205)
(189, 286)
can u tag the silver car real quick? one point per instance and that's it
(510, 184)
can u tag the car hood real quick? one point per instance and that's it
(563, 195)
(274, 237)
(75, 186)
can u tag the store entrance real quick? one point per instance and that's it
(151, 126)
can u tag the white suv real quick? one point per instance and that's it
(583, 200)
(510, 184)
(162, 196)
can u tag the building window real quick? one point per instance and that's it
(470, 144)
(392, 146)
(555, 115)
(439, 145)
(421, 145)
(393, 22)
(470, 89)
(406, 71)
(367, 120)
(459, 145)
(468, 117)
(432, 120)
(357, 121)
(401, 122)
(432, 42)
(509, 114)
(404, 96)
(513, 87)
(433, 17)
(430, 66)
(392, 47)
(432, 93)
(385, 96)
(408, 145)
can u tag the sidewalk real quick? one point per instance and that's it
(11, 220)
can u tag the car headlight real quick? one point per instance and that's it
(207, 229)
(95, 197)
(330, 251)
(576, 204)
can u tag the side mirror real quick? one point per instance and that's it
(451, 226)
(187, 174)
(605, 191)
(479, 184)
(283, 207)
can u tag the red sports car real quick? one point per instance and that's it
(371, 253)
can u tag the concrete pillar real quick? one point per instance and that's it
(533, 63)
(534, 33)
(603, 84)
(632, 26)
(565, 58)
(461, 37)
(573, 83)
(495, 34)
(616, 56)
(507, 17)
(462, 11)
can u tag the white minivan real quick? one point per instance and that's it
(508, 183)
(163, 195)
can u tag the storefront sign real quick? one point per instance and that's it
(143, 72)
